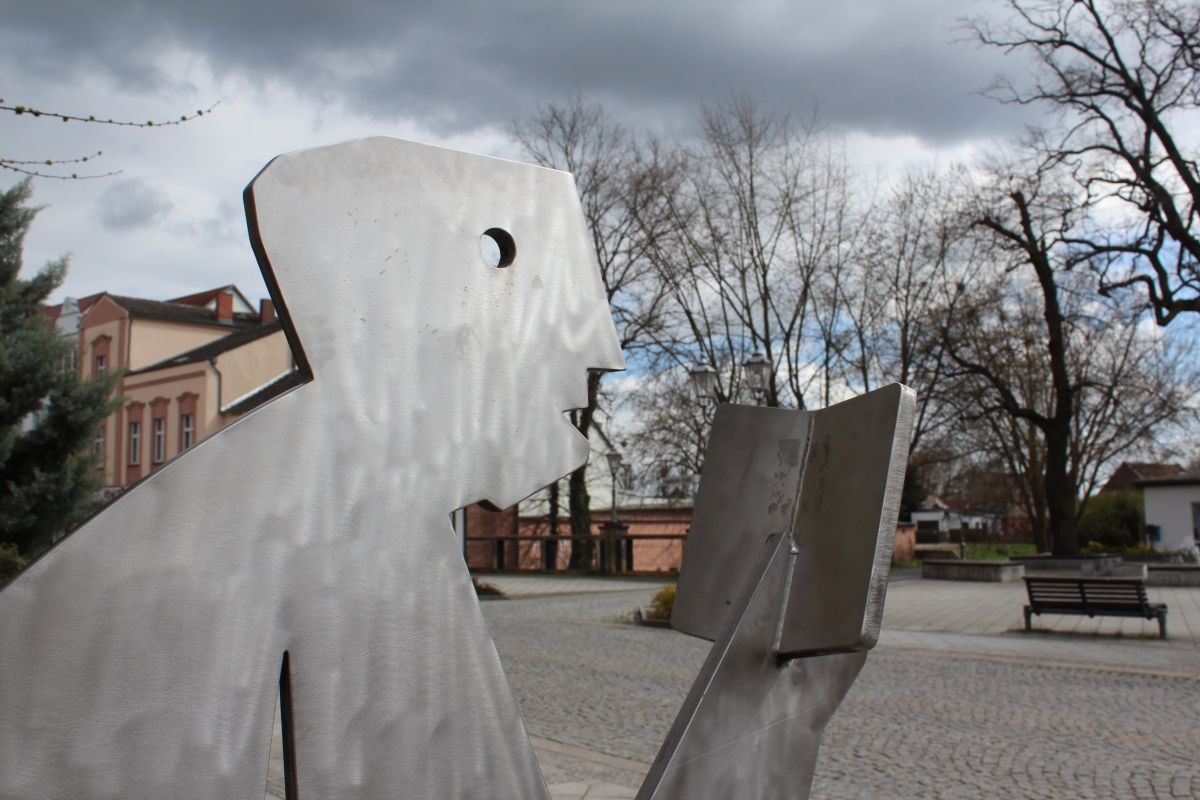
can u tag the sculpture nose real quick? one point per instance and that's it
(607, 355)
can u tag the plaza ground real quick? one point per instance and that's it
(955, 702)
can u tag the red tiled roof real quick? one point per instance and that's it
(1129, 474)
(178, 312)
(207, 296)
(1180, 478)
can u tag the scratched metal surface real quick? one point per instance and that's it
(786, 569)
(831, 480)
(141, 656)
(750, 727)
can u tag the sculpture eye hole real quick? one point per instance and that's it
(497, 247)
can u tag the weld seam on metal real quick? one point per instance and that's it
(793, 550)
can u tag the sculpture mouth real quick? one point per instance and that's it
(577, 394)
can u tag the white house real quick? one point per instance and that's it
(942, 516)
(1173, 511)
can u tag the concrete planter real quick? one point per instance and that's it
(1173, 575)
(1085, 566)
(642, 617)
(981, 571)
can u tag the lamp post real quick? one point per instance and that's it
(614, 466)
(758, 373)
(612, 531)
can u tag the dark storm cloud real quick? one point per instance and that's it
(880, 66)
(130, 204)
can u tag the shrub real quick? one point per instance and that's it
(486, 589)
(1112, 520)
(10, 563)
(662, 603)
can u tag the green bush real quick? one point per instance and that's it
(10, 563)
(1112, 521)
(662, 603)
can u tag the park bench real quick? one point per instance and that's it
(1111, 597)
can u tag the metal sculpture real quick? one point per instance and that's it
(306, 549)
(303, 553)
(786, 568)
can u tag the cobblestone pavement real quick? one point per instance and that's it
(990, 608)
(923, 720)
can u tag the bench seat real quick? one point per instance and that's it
(1106, 597)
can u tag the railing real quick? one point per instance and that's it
(623, 554)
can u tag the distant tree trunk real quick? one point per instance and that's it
(1026, 233)
(1060, 498)
(550, 546)
(578, 498)
(1037, 523)
(1060, 489)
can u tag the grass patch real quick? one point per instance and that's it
(999, 552)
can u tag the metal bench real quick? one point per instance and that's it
(1106, 597)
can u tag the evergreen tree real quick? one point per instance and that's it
(48, 416)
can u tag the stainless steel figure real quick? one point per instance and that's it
(786, 568)
(142, 657)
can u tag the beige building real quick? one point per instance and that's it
(190, 367)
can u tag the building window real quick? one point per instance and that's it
(160, 440)
(187, 431)
(101, 366)
(100, 441)
(135, 443)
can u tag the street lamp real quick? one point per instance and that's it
(758, 373)
(614, 465)
(612, 532)
(704, 381)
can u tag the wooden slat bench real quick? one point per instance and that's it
(1106, 597)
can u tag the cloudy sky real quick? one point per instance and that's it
(895, 77)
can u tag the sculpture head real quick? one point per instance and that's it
(371, 250)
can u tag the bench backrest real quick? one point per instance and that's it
(1098, 594)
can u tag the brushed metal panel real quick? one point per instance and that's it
(141, 656)
(831, 481)
(786, 568)
(846, 522)
(748, 491)
(751, 726)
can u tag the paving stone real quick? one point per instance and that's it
(936, 713)
(956, 702)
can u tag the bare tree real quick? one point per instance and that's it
(910, 253)
(1121, 74)
(1058, 379)
(619, 188)
(671, 432)
(759, 226)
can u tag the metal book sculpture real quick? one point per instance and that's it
(305, 552)
(786, 569)
(304, 555)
